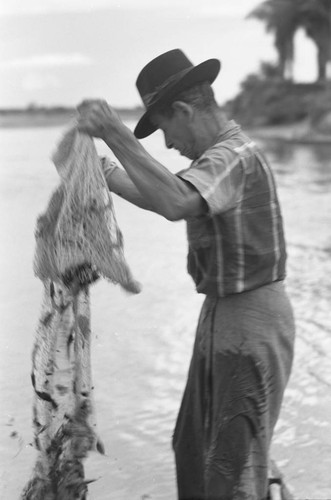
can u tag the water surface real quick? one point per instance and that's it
(142, 344)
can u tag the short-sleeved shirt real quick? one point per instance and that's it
(238, 245)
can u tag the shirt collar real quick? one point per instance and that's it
(230, 129)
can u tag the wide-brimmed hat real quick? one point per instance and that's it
(166, 76)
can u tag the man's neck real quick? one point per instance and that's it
(210, 127)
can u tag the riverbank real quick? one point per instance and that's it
(299, 133)
(50, 117)
(26, 119)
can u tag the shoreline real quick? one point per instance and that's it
(49, 118)
(299, 133)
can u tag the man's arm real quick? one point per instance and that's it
(120, 183)
(166, 193)
(170, 196)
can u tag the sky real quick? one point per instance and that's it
(59, 52)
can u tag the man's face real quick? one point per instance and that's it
(177, 133)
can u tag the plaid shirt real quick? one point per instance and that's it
(239, 245)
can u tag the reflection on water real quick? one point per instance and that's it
(143, 344)
(306, 165)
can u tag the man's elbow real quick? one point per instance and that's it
(186, 210)
(172, 213)
(174, 217)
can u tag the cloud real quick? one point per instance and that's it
(36, 81)
(179, 8)
(238, 8)
(33, 7)
(47, 61)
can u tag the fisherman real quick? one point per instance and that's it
(243, 349)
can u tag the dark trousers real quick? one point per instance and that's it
(239, 369)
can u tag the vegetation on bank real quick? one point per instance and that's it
(266, 100)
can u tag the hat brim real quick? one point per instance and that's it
(203, 72)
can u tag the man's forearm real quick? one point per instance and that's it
(165, 192)
(120, 183)
(160, 190)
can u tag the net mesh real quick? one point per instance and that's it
(78, 234)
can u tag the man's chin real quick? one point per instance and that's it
(188, 154)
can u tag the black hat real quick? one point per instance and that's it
(166, 76)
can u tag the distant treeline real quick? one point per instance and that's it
(35, 109)
(36, 115)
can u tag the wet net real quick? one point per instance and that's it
(77, 241)
(78, 234)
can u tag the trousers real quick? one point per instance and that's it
(241, 363)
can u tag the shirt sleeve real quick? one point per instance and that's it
(218, 176)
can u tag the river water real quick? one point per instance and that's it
(142, 344)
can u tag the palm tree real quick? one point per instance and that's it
(284, 17)
(316, 20)
(280, 17)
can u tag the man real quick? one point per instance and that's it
(244, 342)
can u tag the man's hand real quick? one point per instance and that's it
(97, 118)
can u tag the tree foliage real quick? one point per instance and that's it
(283, 18)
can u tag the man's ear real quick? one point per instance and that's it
(183, 108)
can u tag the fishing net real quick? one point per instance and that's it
(78, 236)
(77, 241)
